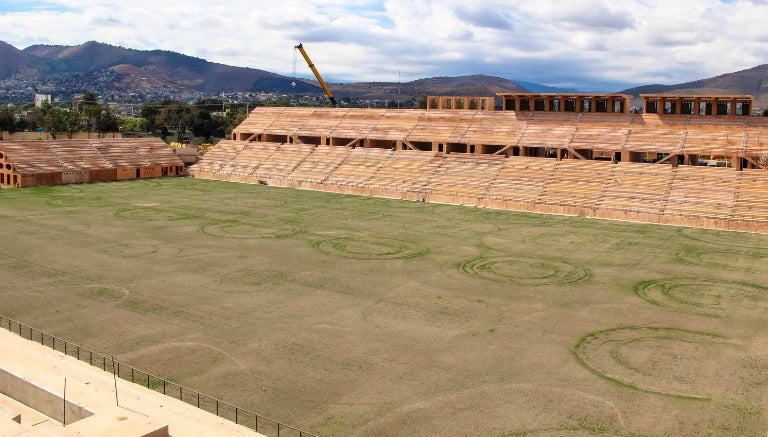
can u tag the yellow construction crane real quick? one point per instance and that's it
(319, 78)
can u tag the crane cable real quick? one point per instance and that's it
(293, 82)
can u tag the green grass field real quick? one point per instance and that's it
(357, 316)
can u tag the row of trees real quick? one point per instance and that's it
(87, 115)
(204, 119)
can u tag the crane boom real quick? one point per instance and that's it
(319, 78)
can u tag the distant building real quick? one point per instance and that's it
(40, 98)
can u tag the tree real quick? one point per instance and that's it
(106, 121)
(151, 113)
(72, 123)
(132, 124)
(233, 119)
(421, 103)
(210, 104)
(54, 119)
(179, 117)
(8, 121)
(34, 119)
(89, 110)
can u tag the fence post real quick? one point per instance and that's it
(236, 416)
(132, 379)
(163, 386)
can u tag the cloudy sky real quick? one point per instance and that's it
(591, 45)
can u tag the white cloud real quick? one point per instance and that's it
(590, 43)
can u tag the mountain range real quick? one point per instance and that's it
(123, 72)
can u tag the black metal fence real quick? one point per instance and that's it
(240, 416)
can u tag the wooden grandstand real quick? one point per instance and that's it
(35, 163)
(644, 167)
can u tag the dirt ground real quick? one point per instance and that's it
(357, 316)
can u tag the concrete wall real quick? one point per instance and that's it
(41, 399)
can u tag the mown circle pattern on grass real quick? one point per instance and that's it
(370, 248)
(522, 270)
(248, 230)
(706, 297)
(659, 360)
(154, 213)
(723, 259)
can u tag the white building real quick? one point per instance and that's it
(40, 98)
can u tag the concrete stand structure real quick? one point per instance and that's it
(36, 163)
(32, 400)
(642, 167)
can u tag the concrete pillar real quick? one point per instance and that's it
(630, 156)
(736, 160)
(733, 107)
